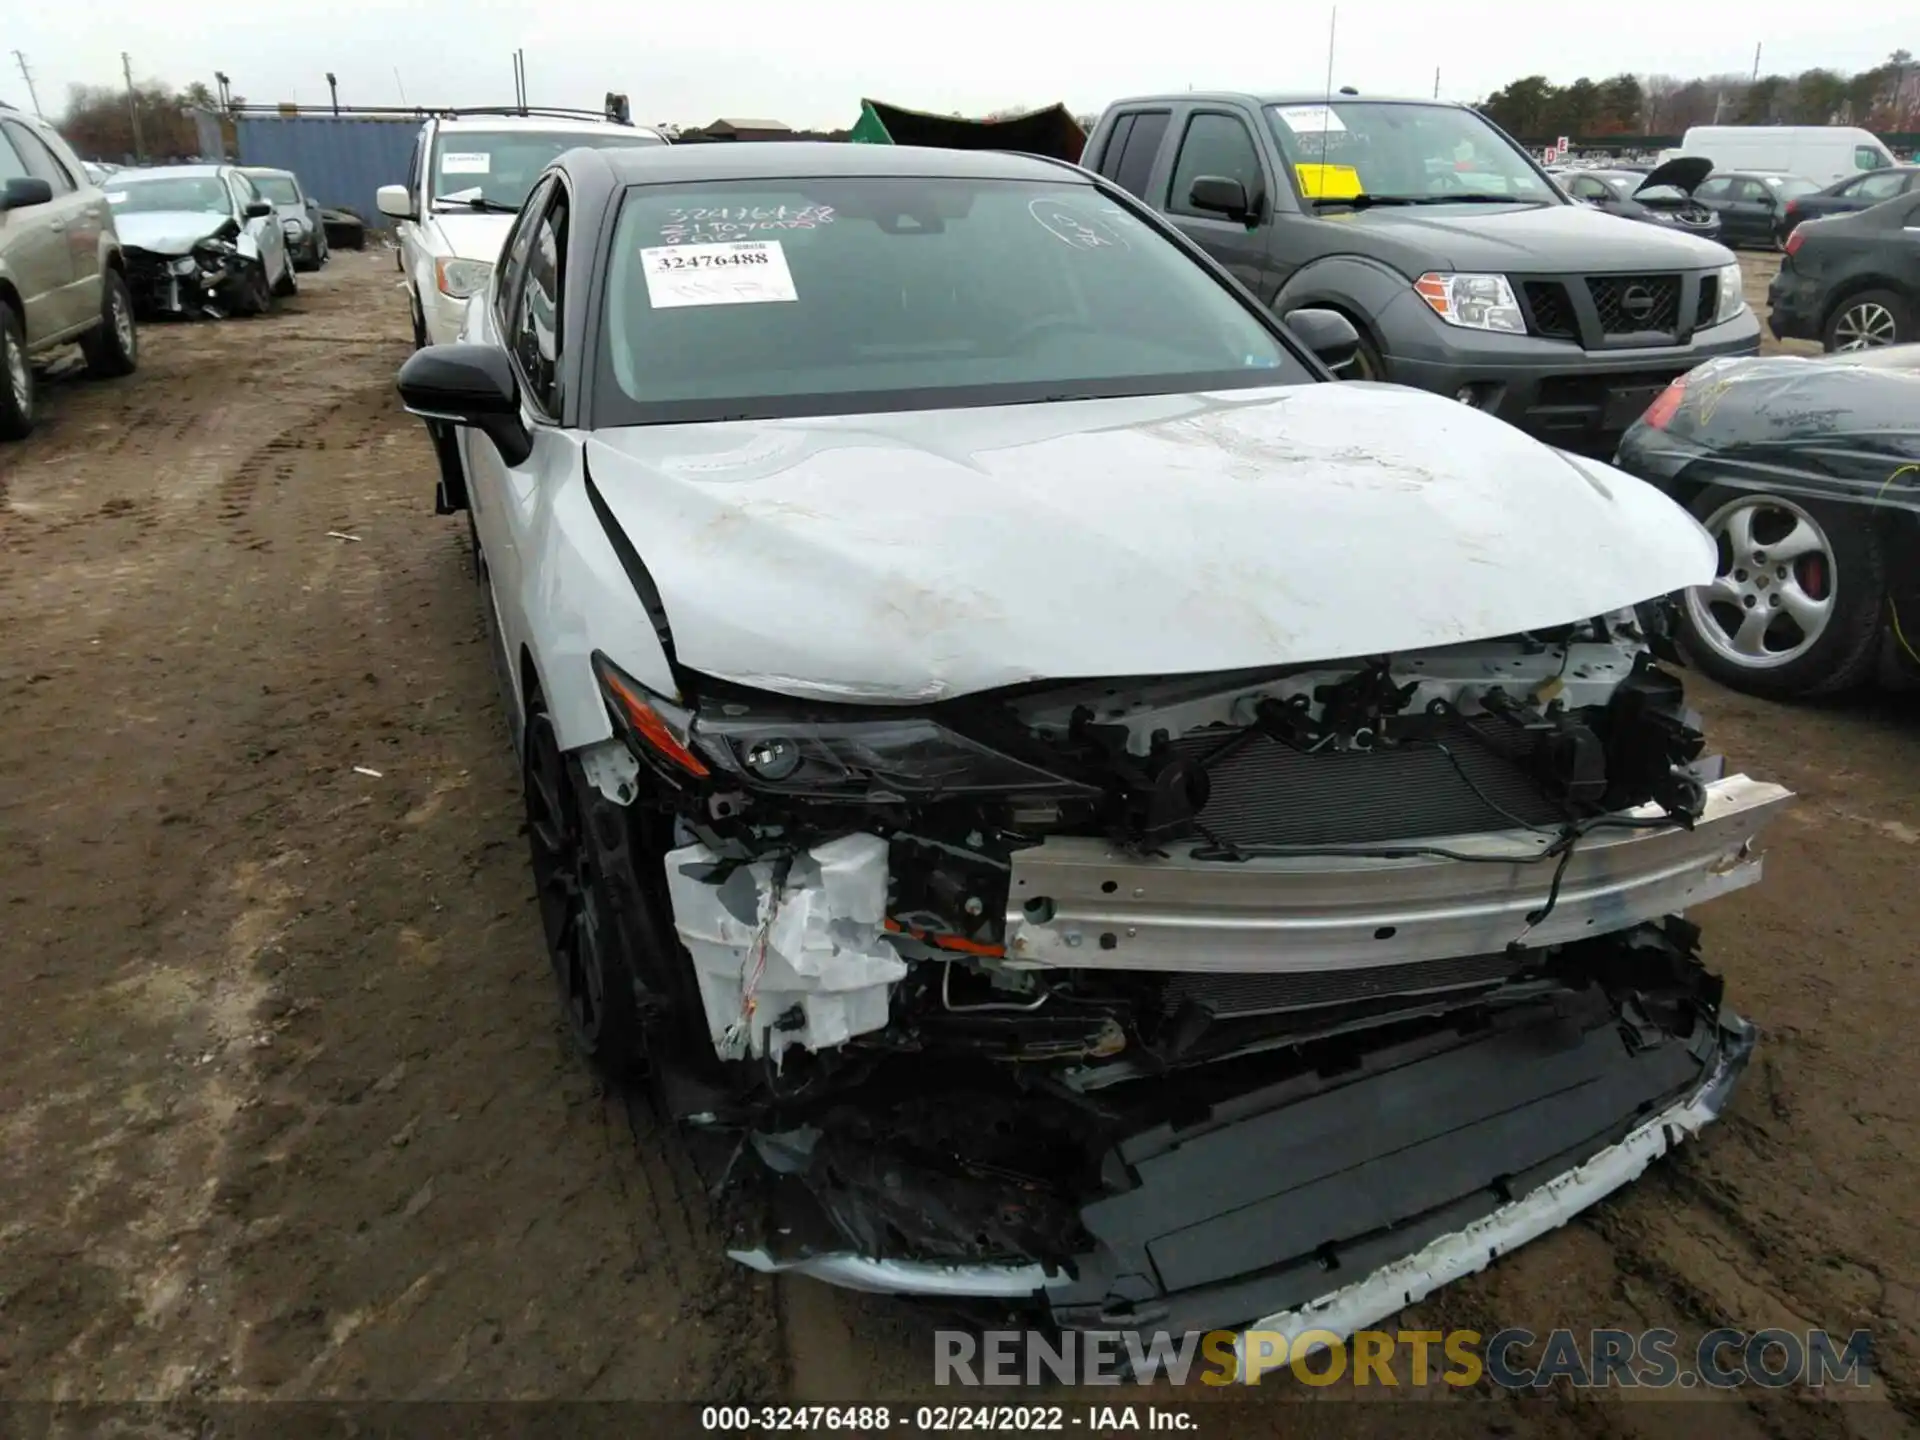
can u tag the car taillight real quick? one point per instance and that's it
(1665, 404)
(1794, 241)
(1793, 207)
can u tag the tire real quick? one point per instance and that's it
(18, 394)
(1839, 578)
(1868, 320)
(256, 297)
(583, 892)
(1368, 362)
(112, 348)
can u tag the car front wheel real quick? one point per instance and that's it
(588, 930)
(16, 377)
(1795, 607)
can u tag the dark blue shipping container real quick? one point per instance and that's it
(341, 159)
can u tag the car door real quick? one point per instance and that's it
(33, 245)
(1132, 149)
(1716, 193)
(1220, 142)
(504, 498)
(265, 229)
(1747, 217)
(83, 213)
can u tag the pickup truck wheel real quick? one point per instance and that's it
(1867, 321)
(1368, 364)
(1796, 608)
(112, 348)
(16, 378)
(587, 930)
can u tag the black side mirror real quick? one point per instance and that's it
(468, 385)
(23, 191)
(1328, 334)
(258, 210)
(1222, 195)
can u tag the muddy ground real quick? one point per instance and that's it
(285, 1110)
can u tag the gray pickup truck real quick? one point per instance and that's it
(1464, 269)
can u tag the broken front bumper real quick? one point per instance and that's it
(201, 283)
(1332, 1213)
(1081, 903)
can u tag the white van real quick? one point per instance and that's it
(1820, 153)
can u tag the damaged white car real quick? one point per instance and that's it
(1067, 805)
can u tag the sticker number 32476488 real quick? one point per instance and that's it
(745, 272)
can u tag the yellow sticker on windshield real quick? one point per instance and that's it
(1332, 182)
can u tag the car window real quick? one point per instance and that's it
(413, 160)
(1413, 150)
(1135, 165)
(1883, 186)
(535, 335)
(1117, 144)
(1214, 145)
(280, 189)
(41, 162)
(1718, 188)
(12, 167)
(1867, 157)
(197, 194)
(513, 261)
(499, 167)
(1789, 187)
(841, 295)
(1585, 187)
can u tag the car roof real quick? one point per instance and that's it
(1286, 97)
(145, 172)
(541, 125)
(773, 160)
(266, 170)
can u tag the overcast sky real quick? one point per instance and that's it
(808, 62)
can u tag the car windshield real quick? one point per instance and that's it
(280, 189)
(498, 168)
(1426, 153)
(1791, 187)
(836, 296)
(197, 193)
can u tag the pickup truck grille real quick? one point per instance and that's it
(1636, 304)
(1553, 314)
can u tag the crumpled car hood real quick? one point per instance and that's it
(917, 556)
(166, 232)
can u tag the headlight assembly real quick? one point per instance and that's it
(815, 754)
(461, 278)
(1733, 294)
(1473, 302)
(185, 265)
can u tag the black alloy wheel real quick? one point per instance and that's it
(584, 931)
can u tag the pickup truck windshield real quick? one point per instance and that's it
(498, 168)
(842, 295)
(1427, 153)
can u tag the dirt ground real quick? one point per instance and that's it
(285, 1108)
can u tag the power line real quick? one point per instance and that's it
(27, 75)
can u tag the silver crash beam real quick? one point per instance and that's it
(1082, 903)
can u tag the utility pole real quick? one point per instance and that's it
(225, 88)
(333, 89)
(27, 75)
(1436, 82)
(133, 107)
(1756, 63)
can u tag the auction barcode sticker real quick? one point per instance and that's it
(741, 272)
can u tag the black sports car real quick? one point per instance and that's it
(1851, 282)
(1664, 196)
(1806, 471)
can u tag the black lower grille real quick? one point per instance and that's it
(1268, 793)
(1636, 304)
(1229, 997)
(1552, 311)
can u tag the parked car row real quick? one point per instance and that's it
(87, 250)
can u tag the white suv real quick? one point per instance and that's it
(468, 177)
